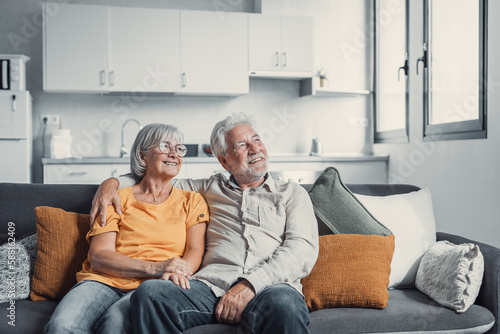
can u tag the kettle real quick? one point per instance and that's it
(316, 147)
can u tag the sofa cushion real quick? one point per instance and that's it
(62, 248)
(352, 270)
(411, 218)
(28, 317)
(338, 211)
(451, 274)
(407, 311)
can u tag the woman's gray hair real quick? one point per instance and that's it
(218, 143)
(150, 136)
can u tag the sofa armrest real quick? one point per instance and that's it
(489, 295)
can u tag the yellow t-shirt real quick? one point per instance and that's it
(147, 231)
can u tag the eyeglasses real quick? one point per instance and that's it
(166, 147)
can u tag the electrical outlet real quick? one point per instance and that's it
(51, 119)
(358, 122)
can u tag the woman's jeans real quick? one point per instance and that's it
(160, 306)
(92, 307)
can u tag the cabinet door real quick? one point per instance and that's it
(76, 48)
(296, 44)
(214, 51)
(264, 42)
(144, 50)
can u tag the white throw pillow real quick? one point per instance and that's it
(410, 217)
(451, 274)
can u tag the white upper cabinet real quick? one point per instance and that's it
(76, 49)
(280, 46)
(144, 46)
(214, 53)
(89, 48)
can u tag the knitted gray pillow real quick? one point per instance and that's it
(14, 272)
(338, 211)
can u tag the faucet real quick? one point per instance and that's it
(123, 149)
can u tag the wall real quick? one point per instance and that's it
(288, 121)
(463, 175)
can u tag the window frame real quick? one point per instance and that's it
(399, 135)
(468, 129)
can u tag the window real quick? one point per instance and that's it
(454, 67)
(391, 71)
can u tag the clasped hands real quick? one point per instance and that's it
(174, 269)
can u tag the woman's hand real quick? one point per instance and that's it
(174, 266)
(177, 279)
(106, 195)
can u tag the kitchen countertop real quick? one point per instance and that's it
(207, 159)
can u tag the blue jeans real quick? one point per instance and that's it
(160, 306)
(91, 307)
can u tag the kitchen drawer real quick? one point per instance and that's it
(82, 173)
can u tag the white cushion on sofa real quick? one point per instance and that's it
(451, 274)
(410, 217)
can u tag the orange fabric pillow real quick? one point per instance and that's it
(352, 270)
(62, 248)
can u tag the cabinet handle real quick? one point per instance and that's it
(112, 78)
(77, 173)
(284, 59)
(103, 77)
(184, 80)
(277, 54)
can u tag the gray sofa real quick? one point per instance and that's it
(408, 311)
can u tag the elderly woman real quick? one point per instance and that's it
(159, 234)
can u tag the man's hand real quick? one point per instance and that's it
(106, 194)
(231, 305)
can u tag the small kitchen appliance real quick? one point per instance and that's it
(13, 72)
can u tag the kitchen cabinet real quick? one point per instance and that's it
(90, 48)
(214, 53)
(144, 47)
(76, 49)
(296, 168)
(86, 171)
(280, 46)
(63, 173)
(122, 50)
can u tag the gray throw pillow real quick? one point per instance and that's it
(14, 272)
(29, 243)
(338, 211)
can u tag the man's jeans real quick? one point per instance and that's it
(92, 307)
(160, 306)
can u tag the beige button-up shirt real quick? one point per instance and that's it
(266, 235)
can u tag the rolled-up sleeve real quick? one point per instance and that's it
(296, 256)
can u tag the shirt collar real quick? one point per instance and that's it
(269, 183)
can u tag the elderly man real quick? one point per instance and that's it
(261, 240)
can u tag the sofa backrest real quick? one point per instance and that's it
(18, 201)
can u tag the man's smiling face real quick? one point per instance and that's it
(246, 157)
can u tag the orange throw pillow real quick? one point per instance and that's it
(62, 248)
(352, 270)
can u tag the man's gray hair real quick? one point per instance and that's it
(150, 136)
(218, 143)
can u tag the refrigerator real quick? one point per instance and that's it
(15, 136)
